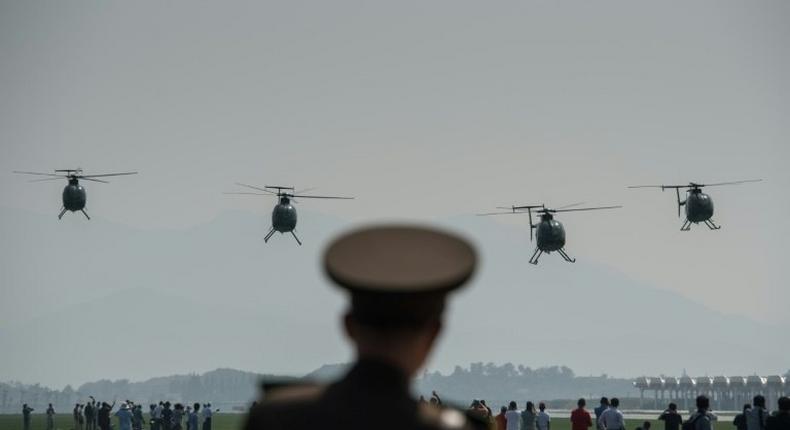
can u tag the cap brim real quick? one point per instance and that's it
(400, 259)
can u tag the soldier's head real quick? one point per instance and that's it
(703, 402)
(397, 278)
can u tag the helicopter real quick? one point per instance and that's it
(74, 195)
(284, 213)
(699, 206)
(549, 232)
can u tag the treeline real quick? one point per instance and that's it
(224, 388)
(499, 384)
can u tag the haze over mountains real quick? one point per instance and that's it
(91, 300)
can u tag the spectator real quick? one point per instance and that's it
(80, 417)
(671, 418)
(756, 416)
(192, 420)
(178, 416)
(103, 416)
(490, 413)
(50, 417)
(166, 419)
(600, 410)
(646, 425)
(137, 417)
(513, 417)
(26, 410)
(74, 416)
(740, 420)
(700, 420)
(435, 399)
(612, 418)
(88, 412)
(124, 417)
(207, 413)
(580, 418)
(529, 417)
(501, 421)
(543, 420)
(780, 420)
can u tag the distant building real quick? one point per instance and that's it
(725, 392)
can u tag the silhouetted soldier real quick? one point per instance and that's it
(50, 417)
(671, 418)
(88, 411)
(26, 410)
(166, 419)
(397, 278)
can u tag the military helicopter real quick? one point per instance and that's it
(74, 195)
(699, 206)
(283, 214)
(549, 232)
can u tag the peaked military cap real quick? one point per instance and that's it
(399, 275)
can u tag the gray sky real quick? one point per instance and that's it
(423, 110)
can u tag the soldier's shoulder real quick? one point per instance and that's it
(450, 418)
(283, 405)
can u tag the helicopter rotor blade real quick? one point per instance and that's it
(730, 183)
(104, 175)
(48, 179)
(250, 194)
(256, 188)
(40, 174)
(321, 197)
(662, 187)
(571, 205)
(306, 190)
(584, 209)
(502, 213)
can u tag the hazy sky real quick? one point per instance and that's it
(423, 110)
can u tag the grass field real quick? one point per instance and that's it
(235, 421)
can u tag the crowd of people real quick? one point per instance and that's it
(95, 415)
(608, 416)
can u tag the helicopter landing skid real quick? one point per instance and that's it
(711, 225)
(708, 222)
(62, 212)
(565, 256)
(268, 235)
(535, 255)
(297, 239)
(85, 213)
